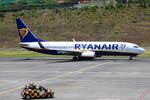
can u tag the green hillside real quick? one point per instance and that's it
(9, 5)
(87, 24)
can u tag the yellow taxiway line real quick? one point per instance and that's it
(58, 76)
(72, 72)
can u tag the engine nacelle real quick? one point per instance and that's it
(88, 54)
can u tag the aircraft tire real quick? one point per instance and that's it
(131, 57)
(75, 58)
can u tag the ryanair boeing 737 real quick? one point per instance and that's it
(77, 49)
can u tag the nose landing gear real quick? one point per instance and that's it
(131, 57)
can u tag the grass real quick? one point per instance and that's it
(89, 24)
(24, 53)
(146, 54)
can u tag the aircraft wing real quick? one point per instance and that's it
(62, 51)
(72, 51)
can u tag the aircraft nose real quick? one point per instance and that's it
(142, 50)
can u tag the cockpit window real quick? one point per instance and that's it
(135, 46)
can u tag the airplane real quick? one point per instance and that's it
(78, 49)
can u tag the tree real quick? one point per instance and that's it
(143, 3)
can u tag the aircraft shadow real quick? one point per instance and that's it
(62, 60)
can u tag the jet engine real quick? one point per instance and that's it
(88, 54)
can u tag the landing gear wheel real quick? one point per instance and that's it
(130, 58)
(75, 58)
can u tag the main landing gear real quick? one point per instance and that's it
(75, 58)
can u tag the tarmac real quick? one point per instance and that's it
(100, 79)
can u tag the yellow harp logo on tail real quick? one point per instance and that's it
(23, 32)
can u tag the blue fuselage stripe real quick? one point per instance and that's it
(55, 52)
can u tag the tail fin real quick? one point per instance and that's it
(25, 34)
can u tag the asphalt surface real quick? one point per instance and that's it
(100, 79)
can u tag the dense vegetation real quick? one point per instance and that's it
(131, 24)
(14, 5)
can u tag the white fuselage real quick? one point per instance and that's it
(79, 48)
